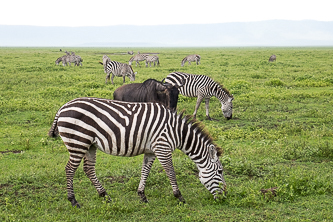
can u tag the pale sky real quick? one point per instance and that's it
(77, 13)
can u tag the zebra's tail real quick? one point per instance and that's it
(53, 132)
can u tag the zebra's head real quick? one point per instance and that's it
(211, 175)
(131, 76)
(227, 107)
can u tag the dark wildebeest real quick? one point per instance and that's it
(272, 58)
(150, 90)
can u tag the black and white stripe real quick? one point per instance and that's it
(137, 58)
(118, 69)
(191, 58)
(130, 129)
(154, 59)
(203, 87)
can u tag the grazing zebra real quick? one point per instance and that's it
(272, 58)
(137, 58)
(69, 58)
(130, 129)
(203, 87)
(119, 69)
(191, 58)
(152, 58)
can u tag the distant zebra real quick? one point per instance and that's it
(152, 58)
(137, 58)
(203, 87)
(191, 58)
(131, 129)
(119, 69)
(69, 58)
(272, 58)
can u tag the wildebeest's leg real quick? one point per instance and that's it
(89, 162)
(165, 159)
(207, 108)
(72, 165)
(199, 100)
(107, 78)
(148, 161)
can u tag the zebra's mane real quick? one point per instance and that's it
(224, 89)
(200, 128)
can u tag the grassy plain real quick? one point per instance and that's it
(280, 136)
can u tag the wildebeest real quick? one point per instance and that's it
(150, 90)
(272, 58)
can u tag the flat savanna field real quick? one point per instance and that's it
(280, 137)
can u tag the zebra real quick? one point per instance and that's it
(152, 58)
(137, 58)
(119, 69)
(203, 87)
(191, 58)
(130, 129)
(69, 58)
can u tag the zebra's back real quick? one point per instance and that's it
(193, 84)
(117, 128)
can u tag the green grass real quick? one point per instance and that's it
(280, 136)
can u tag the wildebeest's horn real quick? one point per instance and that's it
(163, 81)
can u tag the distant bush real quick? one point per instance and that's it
(275, 82)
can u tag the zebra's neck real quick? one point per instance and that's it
(192, 137)
(220, 93)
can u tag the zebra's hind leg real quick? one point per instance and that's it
(72, 165)
(165, 159)
(148, 161)
(89, 162)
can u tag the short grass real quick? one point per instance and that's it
(280, 136)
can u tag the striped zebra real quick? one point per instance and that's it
(191, 58)
(119, 69)
(137, 58)
(154, 59)
(130, 129)
(203, 87)
(68, 59)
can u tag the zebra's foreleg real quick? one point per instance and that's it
(148, 161)
(165, 159)
(107, 78)
(89, 162)
(199, 100)
(72, 165)
(207, 108)
(112, 77)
